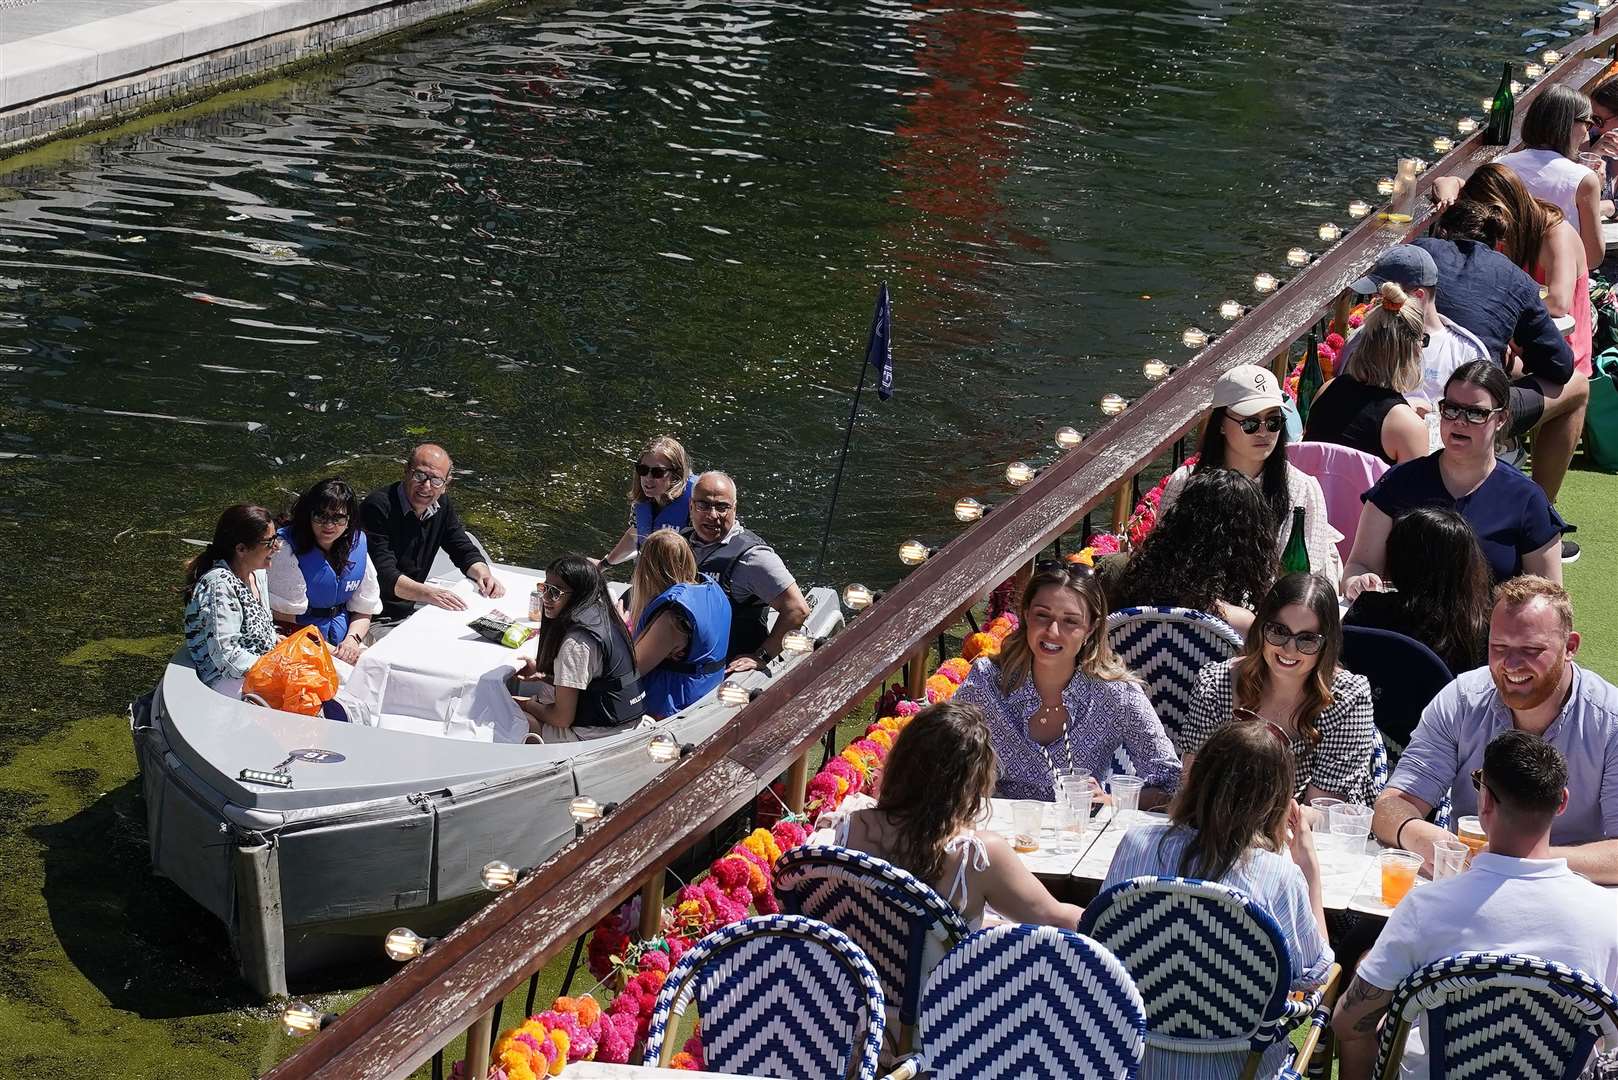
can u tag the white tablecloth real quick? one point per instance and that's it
(433, 675)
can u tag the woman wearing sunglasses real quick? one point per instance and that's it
(681, 621)
(1058, 700)
(1516, 526)
(1245, 431)
(585, 662)
(227, 612)
(1287, 675)
(322, 575)
(659, 496)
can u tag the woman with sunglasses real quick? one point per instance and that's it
(1234, 821)
(585, 661)
(227, 613)
(681, 622)
(1245, 431)
(322, 575)
(1555, 127)
(1287, 676)
(659, 496)
(1516, 526)
(1058, 700)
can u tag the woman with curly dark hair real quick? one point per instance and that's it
(1212, 551)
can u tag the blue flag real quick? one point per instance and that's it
(879, 350)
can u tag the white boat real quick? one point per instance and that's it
(383, 823)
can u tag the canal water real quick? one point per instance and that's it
(543, 236)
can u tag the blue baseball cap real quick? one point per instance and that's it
(1407, 265)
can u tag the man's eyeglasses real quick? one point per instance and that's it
(1307, 641)
(331, 519)
(656, 472)
(714, 507)
(435, 482)
(1473, 414)
(1248, 716)
(1251, 424)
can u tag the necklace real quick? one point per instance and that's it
(1044, 750)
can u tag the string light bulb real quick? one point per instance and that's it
(1603, 4)
(582, 808)
(857, 597)
(1358, 208)
(731, 693)
(1532, 70)
(403, 943)
(1584, 14)
(1194, 337)
(665, 748)
(798, 643)
(1330, 232)
(1113, 404)
(1155, 370)
(1297, 257)
(1443, 144)
(1265, 282)
(1466, 125)
(301, 1018)
(1066, 438)
(1516, 87)
(967, 509)
(1019, 473)
(913, 552)
(1384, 186)
(1420, 165)
(1488, 104)
(1231, 310)
(498, 876)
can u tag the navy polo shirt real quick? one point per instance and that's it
(1491, 296)
(1508, 512)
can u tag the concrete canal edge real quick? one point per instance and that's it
(68, 70)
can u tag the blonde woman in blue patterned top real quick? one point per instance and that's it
(227, 612)
(1288, 675)
(1058, 700)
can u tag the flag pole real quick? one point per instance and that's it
(842, 459)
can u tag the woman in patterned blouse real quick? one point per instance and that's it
(227, 613)
(1288, 675)
(1058, 700)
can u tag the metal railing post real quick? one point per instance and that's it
(1122, 504)
(651, 906)
(797, 786)
(478, 1041)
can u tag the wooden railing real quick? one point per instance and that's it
(454, 987)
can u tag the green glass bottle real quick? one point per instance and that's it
(1295, 559)
(1310, 379)
(1500, 113)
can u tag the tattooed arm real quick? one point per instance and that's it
(1355, 1023)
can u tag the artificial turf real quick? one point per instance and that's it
(1589, 499)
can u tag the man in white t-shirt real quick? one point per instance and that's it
(1513, 898)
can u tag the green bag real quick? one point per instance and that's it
(1601, 418)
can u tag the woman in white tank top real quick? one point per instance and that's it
(1555, 126)
(935, 788)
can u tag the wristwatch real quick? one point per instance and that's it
(763, 658)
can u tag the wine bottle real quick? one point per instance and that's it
(1310, 379)
(1295, 559)
(1500, 113)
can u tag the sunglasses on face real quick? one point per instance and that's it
(656, 472)
(435, 482)
(331, 519)
(273, 542)
(553, 592)
(1248, 716)
(1251, 424)
(1478, 783)
(1306, 641)
(1473, 414)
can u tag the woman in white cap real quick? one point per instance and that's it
(1245, 431)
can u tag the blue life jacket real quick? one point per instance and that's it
(329, 594)
(676, 515)
(674, 684)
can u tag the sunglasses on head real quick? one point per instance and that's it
(1307, 641)
(1251, 424)
(1071, 569)
(1248, 716)
(1473, 414)
(656, 472)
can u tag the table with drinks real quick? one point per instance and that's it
(1063, 843)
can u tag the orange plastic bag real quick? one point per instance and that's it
(297, 675)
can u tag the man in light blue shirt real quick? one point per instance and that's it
(1532, 685)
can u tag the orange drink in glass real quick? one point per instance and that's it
(1398, 874)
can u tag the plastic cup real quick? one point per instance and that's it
(1076, 781)
(1322, 807)
(1027, 816)
(1449, 858)
(1350, 824)
(1399, 870)
(1469, 831)
(1125, 794)
(1072, 818)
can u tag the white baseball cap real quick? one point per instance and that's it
(1247, 390)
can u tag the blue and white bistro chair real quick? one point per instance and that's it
(1028, 1001)
(901, 924)
(1167, 646)
(1210, 963)
(1494, 1014)
(777, 995)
